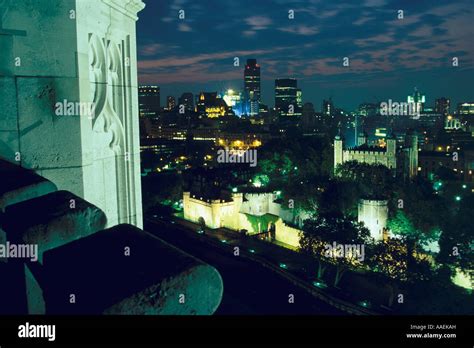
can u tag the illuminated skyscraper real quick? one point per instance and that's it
(286, 97)
(252, 86)
(211, 105)
(170, 102)
(149, 101)
(328, 107)
(418, 100)
(299, 98)
(233, 99)
(466, 108)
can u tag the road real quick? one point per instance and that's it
(249, 288)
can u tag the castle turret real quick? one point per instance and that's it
(411, 141)
(338, 151)
(391, 145)
(391, 152)
(374, 215)
(362, 138)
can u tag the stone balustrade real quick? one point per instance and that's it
(83, 268)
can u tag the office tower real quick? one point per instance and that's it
(187, 100)
(442, 106)
(286, 102)
(210, 105)
(252, 86)
(417, 100)
(233, 100)
(328, 107)
(149, 101)
(299, 98)
(465, 108)
(308, 118)
(170, 102)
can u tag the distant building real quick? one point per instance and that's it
(170, 102)
(368, 109)
(466, 108)
(210, 105)
(187, 99)
(328, 107)
(149, 101)
(252, 87)
(418, 101)
(286, 97)
(299, 98)
(234, 100)
(461, 169)
(308, 118)
(442, 106)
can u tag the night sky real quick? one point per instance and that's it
(388, 56)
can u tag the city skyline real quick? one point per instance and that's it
(388, 56)
(244, 165)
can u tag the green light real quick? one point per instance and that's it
(319, 284)
(283, 265)
(458, 198)
(464, 186)
(252, 251)
(234, 189)
(224, 241)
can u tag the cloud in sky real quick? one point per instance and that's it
(310, 45)
(258, 22)
(300, 30)
(184, 27)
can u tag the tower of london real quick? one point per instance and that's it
(400, 159)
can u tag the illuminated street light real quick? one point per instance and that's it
(319, 284)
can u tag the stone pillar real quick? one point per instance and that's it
(69, 99)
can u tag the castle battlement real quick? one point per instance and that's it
(367, 153)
